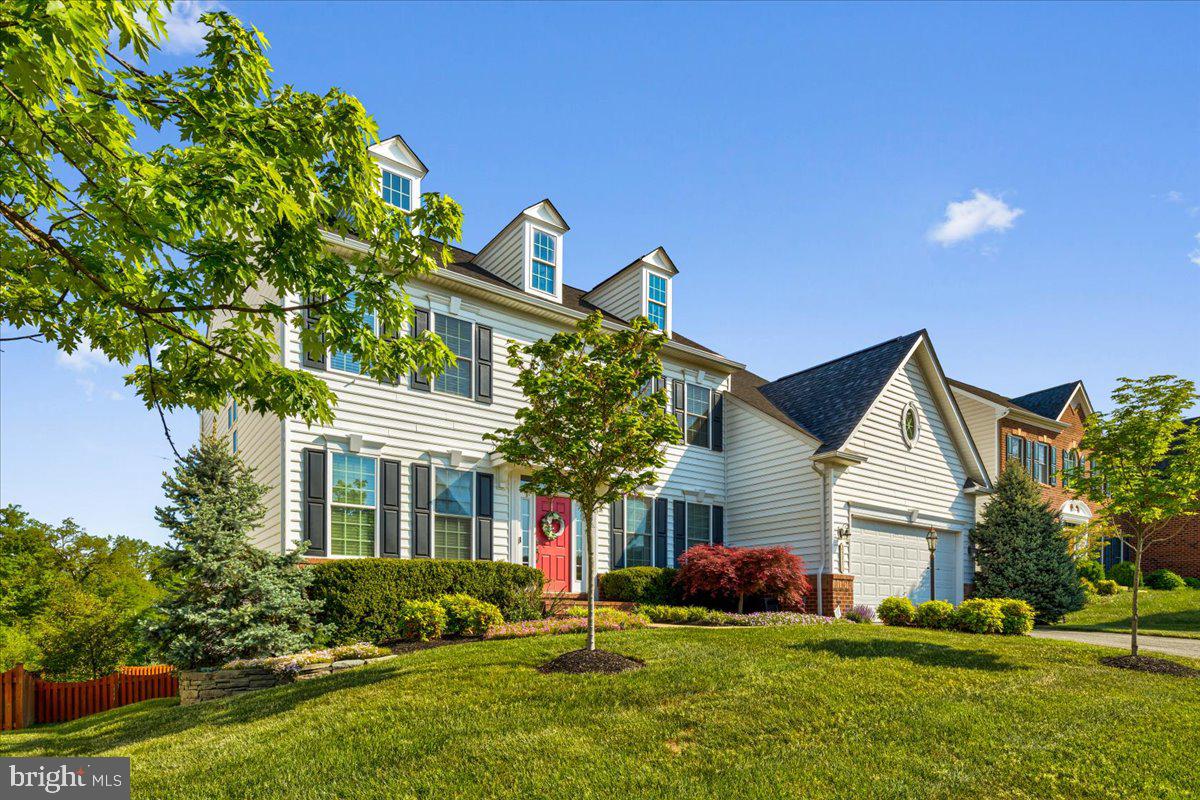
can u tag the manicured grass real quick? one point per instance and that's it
(828, 711)
(1174, 613)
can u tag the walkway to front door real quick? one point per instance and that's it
(554, 555)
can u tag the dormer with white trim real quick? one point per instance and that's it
(528, 252)
(640, 289)
(400, 173)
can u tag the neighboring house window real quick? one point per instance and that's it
(699, 524)
(698, 406)
(454, 510)
(1013, 449)
(544, 262)
(656, 301)
(397, 191)
(352, 511)
(456, 333)
(1070, 461)
(345, 361)
(639, 539)
(1041, 462)
(526, 544)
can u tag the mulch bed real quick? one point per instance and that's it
(1160, 666)
(579, 662)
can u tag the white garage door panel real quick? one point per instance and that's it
(889, 559)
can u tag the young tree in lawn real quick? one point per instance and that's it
(590, 430)
(140, 211)
(1146, 466)
(1020, 550)
(232, 599)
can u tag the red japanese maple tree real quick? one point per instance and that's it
(744, 571)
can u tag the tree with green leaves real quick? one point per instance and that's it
(1020, 550)
(591, 430)
(232, 600)
(82, 636)
(183, 259)
(1146, 466)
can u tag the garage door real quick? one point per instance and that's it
(888, 559)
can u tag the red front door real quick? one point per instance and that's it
(554, 555)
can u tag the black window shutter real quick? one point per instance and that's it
(420, 325)
(680, 521)
(616, 556)
(483, 516)
(1052, 469)
(718, 525)
(421, 541)
(718, 421)
(314, 502)
(312, 360)
(483, 363)
(660, 532)
(389, 509)
(679, 403)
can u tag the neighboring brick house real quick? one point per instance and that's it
(1040, 431)
(1180, 552)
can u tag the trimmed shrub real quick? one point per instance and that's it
(610, 620)
(740, 572)
(935, 614)
(1107, 587)
(1092, 570)
(979, 615)
(419, 620)
(1089, 588)
(1018, 617)
(652, 585)
(682, 615)
(1122, 573)
(861, 614)
(1164, 580)
(1192, 583)
(360, 597)
(466, 616)
(897, 611)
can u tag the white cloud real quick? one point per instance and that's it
(1174, 196)
(185, 31)
(84, 359)
(1194, 256)
(966, 219)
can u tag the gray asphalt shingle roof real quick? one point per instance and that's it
(1047, 402)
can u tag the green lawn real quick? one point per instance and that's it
(836, 711)
(1174, 613)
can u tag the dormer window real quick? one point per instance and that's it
(542, 273)
(397, 191)
(656, 301)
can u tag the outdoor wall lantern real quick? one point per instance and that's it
(931, 540)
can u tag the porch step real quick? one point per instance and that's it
(559, 601)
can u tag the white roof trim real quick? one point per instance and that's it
(1086, 401)
(396, 150)
(545, 213)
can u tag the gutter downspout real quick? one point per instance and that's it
(823, 471)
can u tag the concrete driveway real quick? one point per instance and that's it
(1188, 648)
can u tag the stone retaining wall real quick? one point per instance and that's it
(196, 687)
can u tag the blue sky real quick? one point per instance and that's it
(798, 162)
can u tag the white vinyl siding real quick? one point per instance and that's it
(505, 257)
(622, 296)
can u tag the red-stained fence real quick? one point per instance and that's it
(36, 700)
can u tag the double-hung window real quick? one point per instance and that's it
(352, 511)
(1012, 446)
(699, 524)
(699, 406)
(1070, 461)
(639, 532)
(544, 262)
(656, 300)
(345, 361)
(397, 191)
(457, 334)
(1041, 462)
(454, 511)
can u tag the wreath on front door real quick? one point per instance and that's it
(552, 525)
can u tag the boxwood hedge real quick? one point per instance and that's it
(360, 597)
(648, 585)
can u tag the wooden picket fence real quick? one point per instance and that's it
(27, 698)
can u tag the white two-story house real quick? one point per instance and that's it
(849, 464)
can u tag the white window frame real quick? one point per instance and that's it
(411, 186)
(433, 513)
(329, 456)
(471, 376)
(687, 516)
(557, 239)
(646, 273)
(332, 354)
(688, 415)
(1041, 461)
(625, 532)
(910, 407)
